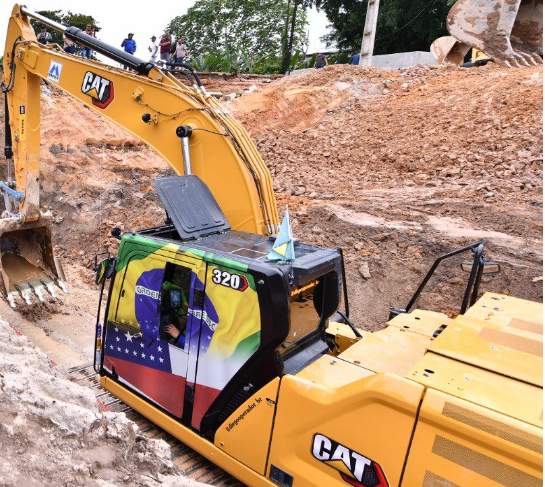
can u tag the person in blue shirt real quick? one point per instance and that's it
(129, 44)
(354, 59)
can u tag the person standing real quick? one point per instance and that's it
(44, 37)
(154, 49)
(129, 44)
(165, 44)
(86, 52)
(321, 61)
(354, 59)
(69, 45)
(180, 52)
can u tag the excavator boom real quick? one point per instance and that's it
(184, 124)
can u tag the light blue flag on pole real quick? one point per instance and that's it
(282, 248)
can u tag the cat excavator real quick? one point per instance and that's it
(250, 361)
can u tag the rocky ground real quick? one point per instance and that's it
(52, 432)
(395, 168)
(399, 167)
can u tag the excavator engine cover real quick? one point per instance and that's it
(191, 206)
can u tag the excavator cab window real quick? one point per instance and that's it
(174, 303)
(311, 304)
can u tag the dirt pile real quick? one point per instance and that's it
(474, 131)
(399, 167)
(51, 431)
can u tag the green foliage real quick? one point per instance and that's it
(426, 22)
(238, 35)
(77, 20)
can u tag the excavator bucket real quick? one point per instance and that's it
(508, 31)
(447, 50)
(28, 268)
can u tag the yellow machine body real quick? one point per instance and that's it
(463, 409)
(404, 406)
(222, 153)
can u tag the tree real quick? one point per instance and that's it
(254, 29)
(293, 11)
(402, 26)
(68, 19)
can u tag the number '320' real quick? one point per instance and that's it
(227, 279)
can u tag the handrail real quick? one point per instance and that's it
(473, 283)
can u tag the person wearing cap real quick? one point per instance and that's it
(129, 44)
(154, 49)
(44, 37)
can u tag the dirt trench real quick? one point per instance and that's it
(395, 168)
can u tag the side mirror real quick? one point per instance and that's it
(489, 268)
(116, 233)
(104, 270)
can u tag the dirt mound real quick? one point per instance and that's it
(51, 431)
(416, 162)
(294, 103)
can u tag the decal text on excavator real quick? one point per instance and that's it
(100, 89)
(364, 472)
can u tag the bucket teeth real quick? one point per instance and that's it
(25, 294)
(62, 285)
(11, 300)
(38, 291)
(50, 289)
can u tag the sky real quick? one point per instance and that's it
(118, 18)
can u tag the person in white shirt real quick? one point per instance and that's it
(180, 53)
(154, 49)
(44, 37)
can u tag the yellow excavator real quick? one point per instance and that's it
(251, 361)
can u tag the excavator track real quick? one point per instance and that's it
(190, 463)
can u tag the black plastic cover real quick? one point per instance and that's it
(191, 206)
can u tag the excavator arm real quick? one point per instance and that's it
(184, 124)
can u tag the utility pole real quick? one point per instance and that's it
(369, 31)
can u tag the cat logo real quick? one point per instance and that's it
(100, 89)
(355, 469)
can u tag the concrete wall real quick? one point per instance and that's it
(403, 60)
(395, 61)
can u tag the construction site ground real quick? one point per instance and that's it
(396, 168)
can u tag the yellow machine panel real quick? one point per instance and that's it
(502, 349)
(457, 443)
(318, 429)
(509, 396)
(421, 321)
(392, 349)
(254, 419)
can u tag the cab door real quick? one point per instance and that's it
(136, 352)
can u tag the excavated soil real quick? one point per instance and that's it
(396, 168)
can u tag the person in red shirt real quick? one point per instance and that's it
(164, 45)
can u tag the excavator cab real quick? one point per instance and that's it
(239, 320)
